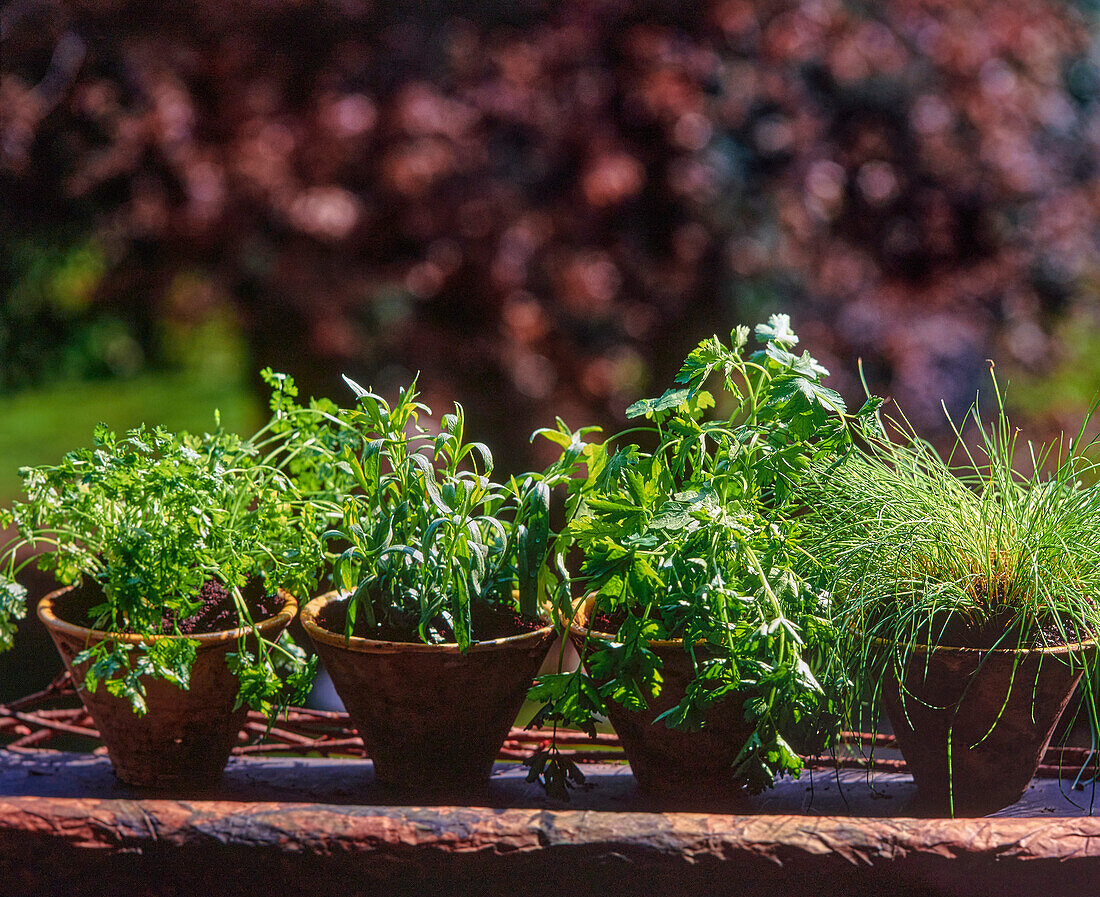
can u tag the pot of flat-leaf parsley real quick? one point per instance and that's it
(439, 626)
(701, 642)
(180, 555)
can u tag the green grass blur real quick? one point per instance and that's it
(39, 425)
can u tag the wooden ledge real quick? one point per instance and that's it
(320, 827)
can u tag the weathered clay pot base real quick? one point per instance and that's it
(675, 768)
(995, 712)
(186, 736)
(432, 718)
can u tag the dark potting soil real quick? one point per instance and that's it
(607, 623)
(991, 632)
(217, 613)
(486, 621)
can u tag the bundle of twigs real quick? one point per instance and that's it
(32, 722)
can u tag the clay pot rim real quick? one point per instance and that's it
(1049, 650)
(582, 606)
(47, 614)
(310, 620)
(584, 631)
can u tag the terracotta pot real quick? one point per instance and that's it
(186, 736)
(994, 710)
(668, 764)
(431, 718)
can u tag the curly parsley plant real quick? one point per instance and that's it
(146, 519)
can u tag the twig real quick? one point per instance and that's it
(61, 685)
(35, 720)
(282, 734)
(29, 741)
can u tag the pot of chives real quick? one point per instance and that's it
(440, 627)
(973, 724)
(966, 595)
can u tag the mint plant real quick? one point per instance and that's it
(428, 536)
(148, 518)
(689, 530)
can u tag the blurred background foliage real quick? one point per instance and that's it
(539, 205)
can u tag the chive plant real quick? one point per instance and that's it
(962, 551)
(689, 530)
(146, 519)
(428, 536)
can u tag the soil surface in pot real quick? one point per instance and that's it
(607, 623)
(217, 612)
(487, 622)
(610, 623)
(1001, 630)
(955, 631)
